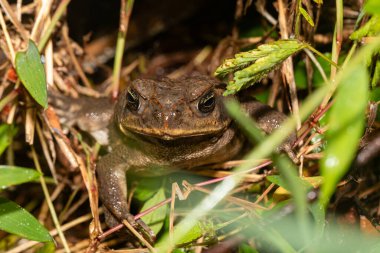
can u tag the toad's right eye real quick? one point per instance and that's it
(133, 100)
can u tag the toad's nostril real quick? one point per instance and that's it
(158, 115)
(175, 114)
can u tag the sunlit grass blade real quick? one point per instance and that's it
(288, 174)
(346, 124)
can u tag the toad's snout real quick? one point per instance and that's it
(168, 119)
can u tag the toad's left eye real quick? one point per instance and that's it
(133, 100)
(207, 102)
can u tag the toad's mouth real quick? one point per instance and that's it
(173, 134)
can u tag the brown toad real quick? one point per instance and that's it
(159, 126)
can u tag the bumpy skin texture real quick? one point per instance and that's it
(168, 131)
(92, 115)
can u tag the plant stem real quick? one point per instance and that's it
(317, 64)
(125, 14)
(57, 15)
(322, 56)
(49, 202)
(337, 44)
(8, 98)
(7, 38)
(298, 19)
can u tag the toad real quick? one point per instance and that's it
(159, 126)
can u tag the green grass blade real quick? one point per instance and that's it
(346, 124)
(6, 134)
(307, 16)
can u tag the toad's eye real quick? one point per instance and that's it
(133, 100)
(207, 102)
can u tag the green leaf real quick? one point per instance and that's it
(306, 183)
(371, 28)
(307, 16)
(180, 250)
(251, 66)
(205, 229)
(48, 247)
(300, 75)
(155, 220)
(11, 175)
(375, 94)
(146, 188)
(6, 134)
(194, 233)
(245, 248)
(16, 220)
(31, 72)
(372, 6)
(346, 124)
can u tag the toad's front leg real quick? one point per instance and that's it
(113, 193)
(269, 119)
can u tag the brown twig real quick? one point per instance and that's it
(30, 120)
(46, 152)
(311, 122)
(13, 18)
(77, 66)
(40, 20)
(7, 38)
(287, 67)
(138, 235)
